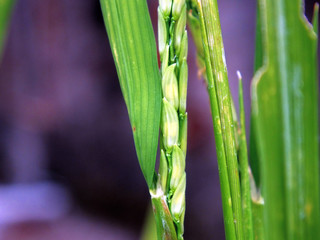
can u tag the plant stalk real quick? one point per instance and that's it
(211, 26)
(244, 169)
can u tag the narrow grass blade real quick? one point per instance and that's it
(209, 10)
(197, 26)
(315, 18)
(244, 169)
(133, 46)
(258, 58)
(221, 157)
(258, 63)
(285, 112)
(6, 7)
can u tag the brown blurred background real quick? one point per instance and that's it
(68, 167)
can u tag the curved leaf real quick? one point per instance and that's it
(133, 46)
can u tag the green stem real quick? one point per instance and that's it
(164, 222)
(244, 169)
(209, 11)
(257, 216)
(257, 204)
(223, 172)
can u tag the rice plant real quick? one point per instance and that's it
(270, 193)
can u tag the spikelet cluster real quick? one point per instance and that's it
(173, 49)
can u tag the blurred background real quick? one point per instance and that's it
(68, 168)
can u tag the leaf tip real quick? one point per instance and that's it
(315, 17)
(239, 75)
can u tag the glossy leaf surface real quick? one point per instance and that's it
(133, 46)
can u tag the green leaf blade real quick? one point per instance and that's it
(258, 63)
(133, 46)
(286, 122)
